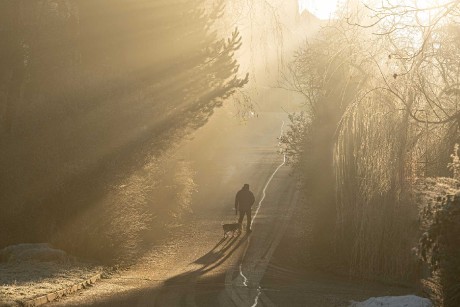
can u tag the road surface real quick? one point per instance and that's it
(197, 266)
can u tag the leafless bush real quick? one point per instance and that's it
(377, 219)
(438, 249)
(389, 118)
(322, 73)
(396, 131)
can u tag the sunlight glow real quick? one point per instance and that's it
(323, 9)
(419, 4)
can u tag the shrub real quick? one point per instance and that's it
(439, 249)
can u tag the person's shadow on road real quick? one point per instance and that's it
(217, 252)
(209, 261)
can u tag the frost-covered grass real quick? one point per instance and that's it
(27, 280)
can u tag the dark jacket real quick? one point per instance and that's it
(244, 199)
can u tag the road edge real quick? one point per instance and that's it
(230, 287)
(47, 298)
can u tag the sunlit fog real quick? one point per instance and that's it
(230, 153)
(322, 9)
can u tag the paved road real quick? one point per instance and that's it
(198, 267)
(230, 272)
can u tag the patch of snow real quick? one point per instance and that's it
(394, 301)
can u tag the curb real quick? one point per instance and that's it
(60, 293)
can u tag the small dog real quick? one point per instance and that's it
(233, 228)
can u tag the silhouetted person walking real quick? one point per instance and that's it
(243, 202)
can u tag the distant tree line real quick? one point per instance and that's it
(90, 91)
